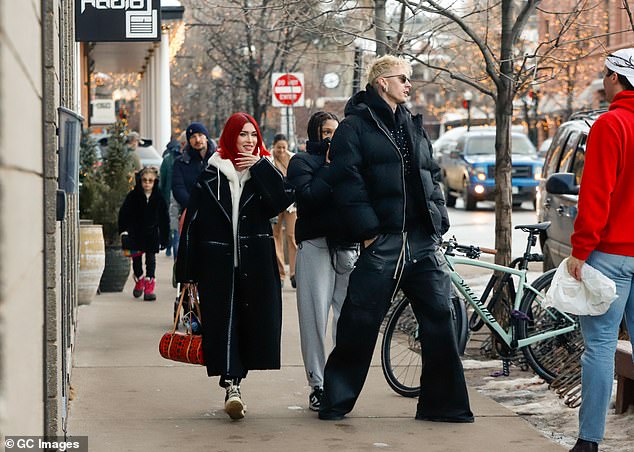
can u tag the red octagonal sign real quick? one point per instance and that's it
(287, 89)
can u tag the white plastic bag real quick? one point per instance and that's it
(593, 295)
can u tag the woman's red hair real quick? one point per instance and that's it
(227, 147)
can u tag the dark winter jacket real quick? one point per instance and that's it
(317, 214)
(172, 152)
(370, 187)
(187, 168)
(145, 220)
(208, 253)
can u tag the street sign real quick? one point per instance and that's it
(288, 89)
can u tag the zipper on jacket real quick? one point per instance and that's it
(389, 137)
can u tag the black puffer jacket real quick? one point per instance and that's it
(317, 214)
(145, 220)
(369, 170)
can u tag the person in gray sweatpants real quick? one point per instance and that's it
(325, 258)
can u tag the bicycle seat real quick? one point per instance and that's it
(534, 228)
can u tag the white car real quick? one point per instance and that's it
(148, 155)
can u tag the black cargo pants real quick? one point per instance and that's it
(425, 281)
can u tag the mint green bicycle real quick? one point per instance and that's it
(545, 336)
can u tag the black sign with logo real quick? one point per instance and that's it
(117, 20)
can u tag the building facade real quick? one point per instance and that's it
(38, 246)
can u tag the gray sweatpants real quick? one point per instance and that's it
(322, 282)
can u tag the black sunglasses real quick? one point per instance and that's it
(402, 77)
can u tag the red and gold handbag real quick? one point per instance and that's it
(184, 347)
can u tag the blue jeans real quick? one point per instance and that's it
(600, 334)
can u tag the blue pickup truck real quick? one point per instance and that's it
(468, 167)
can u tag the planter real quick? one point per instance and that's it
(116, 271)
(92, 260)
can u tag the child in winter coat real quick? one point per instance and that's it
(144, 218)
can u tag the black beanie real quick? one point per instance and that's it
(196, 127)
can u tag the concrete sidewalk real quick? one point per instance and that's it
(128, 398)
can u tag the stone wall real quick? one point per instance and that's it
(38, 255)
(22, 284)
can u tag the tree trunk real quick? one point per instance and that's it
(380, 26)
(503, 166)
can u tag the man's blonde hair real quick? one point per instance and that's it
(384, 64)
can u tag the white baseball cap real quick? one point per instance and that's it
(622, 62)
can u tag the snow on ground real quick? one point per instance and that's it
(530, 398)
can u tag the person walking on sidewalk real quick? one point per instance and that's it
(324, 257)
(603, 238)
(227, 248)
(286, 233)
(144, 220)
(387, 188)
(192, 162)
(172, 152)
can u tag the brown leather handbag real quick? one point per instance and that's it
(184, 347)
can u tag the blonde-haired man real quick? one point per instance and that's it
(387, 189)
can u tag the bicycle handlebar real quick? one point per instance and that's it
(471, 251)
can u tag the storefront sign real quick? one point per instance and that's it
(117, 20)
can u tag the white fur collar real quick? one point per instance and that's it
(236, 179)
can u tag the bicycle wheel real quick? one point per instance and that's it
(459, 313)
(547, 356)
(401, 358)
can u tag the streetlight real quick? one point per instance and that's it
(466, 103)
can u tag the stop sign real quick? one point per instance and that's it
(288, 89)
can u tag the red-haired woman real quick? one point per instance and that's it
(227, 248)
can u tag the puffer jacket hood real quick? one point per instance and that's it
(361, 103)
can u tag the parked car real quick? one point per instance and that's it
(543, 148)
(468, 167)
(558, 190)
(148, 155)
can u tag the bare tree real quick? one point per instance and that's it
(252, 39)
(482, 44)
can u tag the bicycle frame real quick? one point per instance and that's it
(509, 337)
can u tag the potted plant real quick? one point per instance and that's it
(92, 255)
(106, 192)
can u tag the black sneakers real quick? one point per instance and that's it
(293, 282)
(234, 406)
(314, 399)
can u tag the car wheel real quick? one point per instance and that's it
(468, 198)
(548, 258)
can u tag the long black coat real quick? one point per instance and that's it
(370, 175)
(206, 256)
(146, 221)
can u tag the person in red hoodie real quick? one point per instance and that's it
(603, 238)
